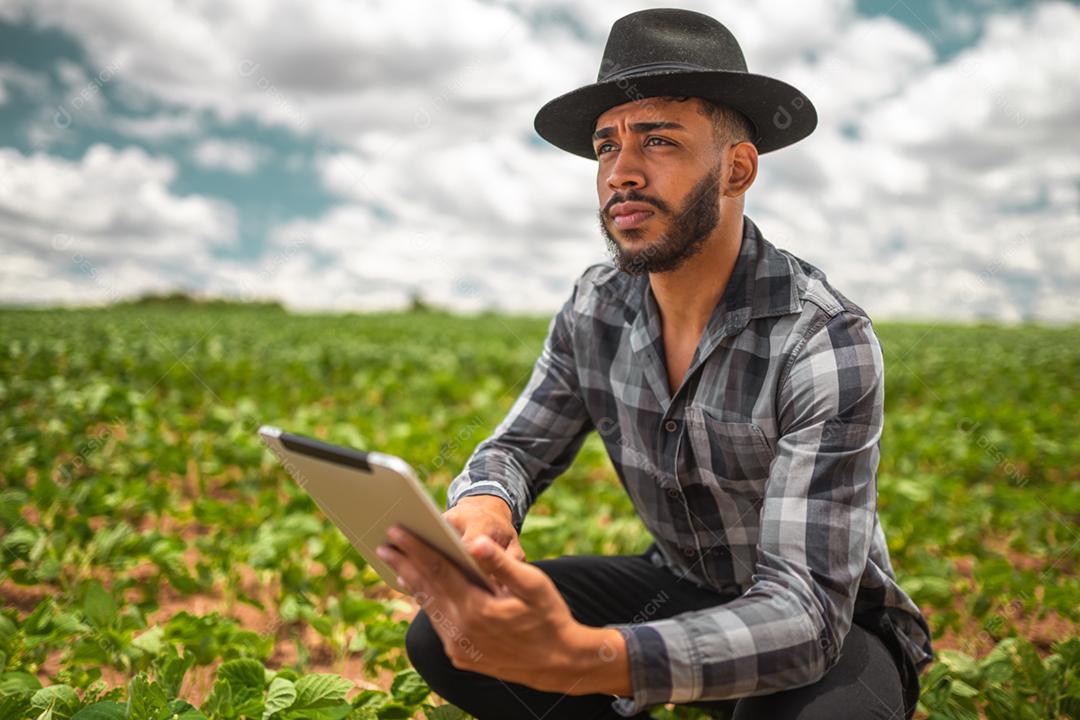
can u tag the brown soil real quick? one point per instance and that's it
(978, 637)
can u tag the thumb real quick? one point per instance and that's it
(522, 579)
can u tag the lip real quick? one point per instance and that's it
(630, 214)
(625, 208)
(633, 219)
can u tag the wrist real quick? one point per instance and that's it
(600, 664)
(494, 503)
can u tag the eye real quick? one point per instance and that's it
(600, 148)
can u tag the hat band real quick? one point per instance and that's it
(650, 68)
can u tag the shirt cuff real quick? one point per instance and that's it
(665, 665)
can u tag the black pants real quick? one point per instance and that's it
(865, 683)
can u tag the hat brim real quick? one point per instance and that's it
(781, 114)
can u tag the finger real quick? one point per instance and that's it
(522, 579)
(512, 545)
(509, 540)
(457, 523)
(407, 576)
(437, 575)
(436, 604)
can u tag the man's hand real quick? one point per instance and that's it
(476, 515)
(525, 634)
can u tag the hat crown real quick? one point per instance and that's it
(668, 40)
(672, 52)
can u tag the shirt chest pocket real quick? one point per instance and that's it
(732, 455)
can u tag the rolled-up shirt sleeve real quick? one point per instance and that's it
(540, 435)
(817, 520)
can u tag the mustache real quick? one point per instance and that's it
(634, 197)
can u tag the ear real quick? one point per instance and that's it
(741, 169)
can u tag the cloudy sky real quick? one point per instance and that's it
(344, 155)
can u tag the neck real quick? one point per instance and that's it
(688, 295)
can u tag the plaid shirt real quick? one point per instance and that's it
(756, 479)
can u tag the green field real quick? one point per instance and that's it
(158, 562)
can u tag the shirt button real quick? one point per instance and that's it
(671, 426)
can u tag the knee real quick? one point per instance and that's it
(424, 648)
(864, 683)
(462, 688)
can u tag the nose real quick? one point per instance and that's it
(625, 169)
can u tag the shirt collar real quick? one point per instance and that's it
(763, 283)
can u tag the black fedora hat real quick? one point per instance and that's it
(667, 51)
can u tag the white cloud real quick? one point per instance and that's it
(102, 227)
(35, 84)
(958, 196)
(236, 156)
(962, 190)
(375, 264)
(477, 224)
(161, 126)
(331, 68)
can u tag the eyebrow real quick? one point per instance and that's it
(638, 128)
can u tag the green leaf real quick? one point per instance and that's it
(170, 669)
(243, 673)
(321, 690)
(37, 622)
(1030, 662)
(108, 710)
(934, 591)
(287, 673)
(16, 681)
(238, 688)
(961, 688)
(248, 702)
(357, 608)
(19, 542)
(280, 695)
(332, 712)
(15, 704)
(370, 698)
(60, 699)
(182, 710)
(146, 700)
(150, 642)
(445, 712)
(409, 687)
(99, 605)
(320, 696)
(960, 664)
(220, 701)
(7, 628)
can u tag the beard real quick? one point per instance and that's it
(686, 236)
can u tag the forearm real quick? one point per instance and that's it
(716, 653)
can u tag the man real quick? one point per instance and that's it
(740, 397)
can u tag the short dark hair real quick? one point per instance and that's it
(729, 125)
